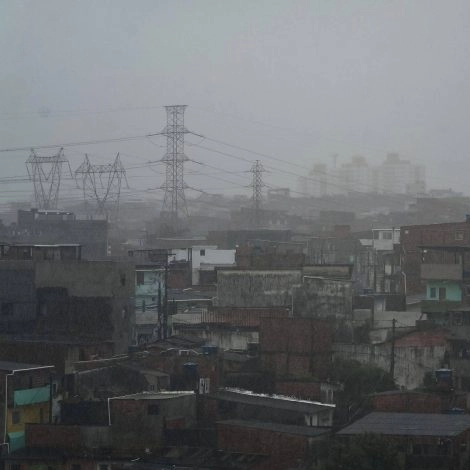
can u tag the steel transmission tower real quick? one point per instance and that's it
(102, 185)
(46, 173)
(257, 186)
(174, 201)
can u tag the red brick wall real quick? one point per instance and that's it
(296, 346)
(297, 335)
(412, 236)
(241, 317)
(208, 366)
(53, 436)
(283, 450)
(408, 403)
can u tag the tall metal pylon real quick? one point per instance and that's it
(174, 201)
(102, 185)
(257, 186)
(46, 173)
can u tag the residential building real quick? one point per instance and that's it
(59, 227)
(284, 445)
(25, 397)
(426, 440)
(137, 421)
(246, 405)
(50, 291)
(414, 237)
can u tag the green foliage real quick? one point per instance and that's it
(363, 452)
(360, 380)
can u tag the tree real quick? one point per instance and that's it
(363, 452)
(359, 381)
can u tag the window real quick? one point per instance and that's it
(432, 292)
(140, 278)
(202, 252)
(123, 280)
(459, 235)
(7, 309)
(153, 410)
(387, 236)
(442, 293)
(16, 417)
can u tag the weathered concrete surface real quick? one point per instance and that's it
(256, 288)
(323, 297)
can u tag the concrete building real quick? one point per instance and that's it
(205, 260)
(296, 348)
(417, 353)
(246, 405)
(399, 176)
(426, 440)
(149, 298)
(393, 176)
(137, 421)
(26, 395)
(284, 445)
(413, 237)
(58, 227)
(67, 297)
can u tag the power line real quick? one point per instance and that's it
(75, 144)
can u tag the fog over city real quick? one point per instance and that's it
(234, 234)
(291, 83)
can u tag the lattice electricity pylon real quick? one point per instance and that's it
(174, 201)
(46, 173)
(257, 185)
(102, 185)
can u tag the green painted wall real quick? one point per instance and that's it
(453, 290)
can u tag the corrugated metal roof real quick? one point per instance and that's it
(409, 424)
(271, 401)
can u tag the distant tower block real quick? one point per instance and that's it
(174, 201)
(257, 186)
(46, 173)
(101, 186)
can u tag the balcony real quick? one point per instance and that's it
(440, 306)
(442, 272)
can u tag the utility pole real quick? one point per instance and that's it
(174, 200)
(392, 353)
(165, 304)
(257, 185)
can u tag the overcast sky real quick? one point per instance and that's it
(296, 80)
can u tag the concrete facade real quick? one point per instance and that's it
(78, 299)
(256, 288)
(416, 354)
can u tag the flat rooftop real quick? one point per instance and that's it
(309, 431)
(11, 366)
(155, 395)
(270, 401)
(410, 424)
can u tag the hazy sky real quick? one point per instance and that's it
(296, 80)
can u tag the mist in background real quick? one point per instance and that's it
(296, 80)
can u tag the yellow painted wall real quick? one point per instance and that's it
(28, 414)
